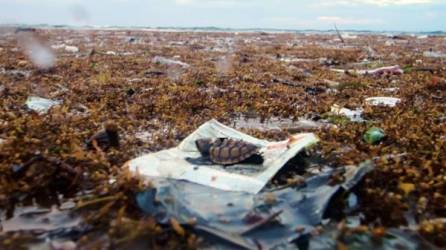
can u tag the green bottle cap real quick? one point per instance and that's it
(374, 135)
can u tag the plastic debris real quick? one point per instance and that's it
(328, 62)
(390, 70)
(43, 219)
(16, 72)
(352, 201)
(331, 84)
(391, 89)
(131, 39)
(280, 124)
(296, 59)
(40, 105)
(251, 178)
(382, 101)
(240, 212)
(167, 61)
(67, 48)
(72, 49)
(374, 135)
(434, 54)
(246, 220)
(305, 124)
(353, 115)
(63, 245)
(391, 239)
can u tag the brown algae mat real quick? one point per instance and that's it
(157, 87)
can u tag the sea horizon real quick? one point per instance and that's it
(223, 29)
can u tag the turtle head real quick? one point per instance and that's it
(204, 145)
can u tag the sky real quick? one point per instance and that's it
(378, 15)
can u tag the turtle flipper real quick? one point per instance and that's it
(199, 161)
(254, 159)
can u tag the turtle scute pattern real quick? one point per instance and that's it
(230, 151)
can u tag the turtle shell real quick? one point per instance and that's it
(204, 145)
(228, 151)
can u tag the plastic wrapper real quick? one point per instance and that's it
(167, 61)
(251, 178)
(352, 115)
(389, 70)
(40, 105)
(245, 220)
(384, 101)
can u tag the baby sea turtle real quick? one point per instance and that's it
(104, 139)
(225, 151)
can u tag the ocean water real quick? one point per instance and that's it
(248, 30)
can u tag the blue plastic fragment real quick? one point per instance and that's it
(227, 215)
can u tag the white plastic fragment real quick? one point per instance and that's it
(434, 54)
(396, 70)
(144, 136)
(44, 219)
(309, 124)
(39, 104)
(112, 180)
(167, 61)
(72, 49)
(278, 124)
(394, 89)
(353, 115)
(251, 178)
(58, 46)
(384, 101)
(346, 35)
(63, 245)
(16, 72)
(68, 48)
(296, 59)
